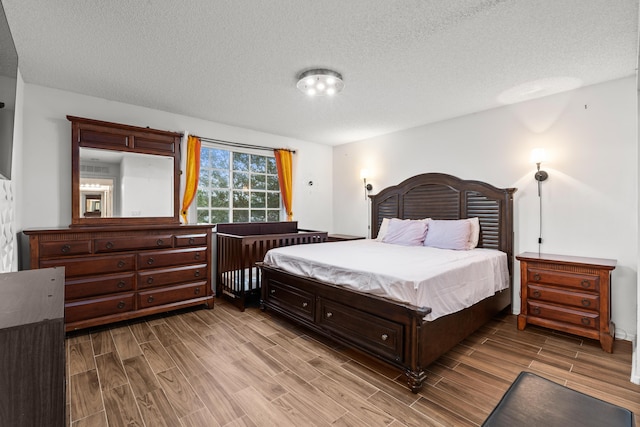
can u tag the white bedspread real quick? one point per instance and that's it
(443, 279)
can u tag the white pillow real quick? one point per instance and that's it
(448, 234)
(474, 235)
(383, 229)
(406, 232)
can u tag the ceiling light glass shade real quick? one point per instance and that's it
(320, 82)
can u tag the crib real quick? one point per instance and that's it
(241, 245)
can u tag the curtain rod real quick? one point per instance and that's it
(241, 144)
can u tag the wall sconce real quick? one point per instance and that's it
(538, 155)
(364, 173)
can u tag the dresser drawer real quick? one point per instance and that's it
(583, 282)
(88, 309)
(294, 301)
(171, 257)
(582, 318)
(61, 249)
(93, 265)
(117, 244)
(93, 286)
(190, 240)
(370, 332)
(162, 296)
(170, 276)
(559, 296)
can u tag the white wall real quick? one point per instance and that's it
(589, 200)
(47, 161)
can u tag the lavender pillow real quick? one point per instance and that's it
(405, 232)
(448, 234)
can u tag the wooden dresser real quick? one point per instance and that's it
(567, 293)
(117, 273)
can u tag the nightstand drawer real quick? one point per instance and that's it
(584, 319)
(583, 282)
(559, 296)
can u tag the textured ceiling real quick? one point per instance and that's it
(404, 62)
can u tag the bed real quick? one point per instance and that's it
(240, 245)
(397, 332)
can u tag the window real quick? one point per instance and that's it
(237, 187)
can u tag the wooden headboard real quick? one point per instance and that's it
(442, 196)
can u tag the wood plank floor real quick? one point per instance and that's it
(222, 367)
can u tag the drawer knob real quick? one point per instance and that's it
(305, 304)
(197, 255)
(384, 337)
(191, 240)
(150, 261)
(121, 305)
(196, 291)
(536, 277)
(150, 280)
(329, 314)
(273, 291)
(536, 293)
(535, 310)
(586, 321)
(586, 302)
(121, 284)
(65, 249)
(109, 245)
(150, 299)
(196, 273)
(585, 284)
(160, 242)
(121, 264)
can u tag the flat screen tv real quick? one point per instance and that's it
(8, 80)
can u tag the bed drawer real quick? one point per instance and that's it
(584, 319)
(89, 309)
(370, 332)
(294, 301)
(170, 276)
(101, 285)
(74, 267)
(162, 296)
(171, 257)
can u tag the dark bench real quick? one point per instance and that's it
(535, 401)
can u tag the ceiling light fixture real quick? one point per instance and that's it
(320, 82)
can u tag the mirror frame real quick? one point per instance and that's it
(118, 137)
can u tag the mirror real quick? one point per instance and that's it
(116, 184)
(123, 175)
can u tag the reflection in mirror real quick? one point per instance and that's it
(116, 184)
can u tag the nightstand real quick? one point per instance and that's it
(567, 293)
(342, 237)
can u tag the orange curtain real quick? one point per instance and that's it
(193, 172)
(285, 179)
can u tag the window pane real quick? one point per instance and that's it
(258, 164)
(220, 199)
(240, 162)
(219, 216)
(203, 179)
(273, 200)
(219, 159)
(240, 199)
(203, 216)
(258, 199)
(240, 216)
(273, 215)
(272, 183)
(271, 165)
(241, 180)
(220, 178)
(202, 199)
(258, 216)
(258, 182)
(205, 159)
